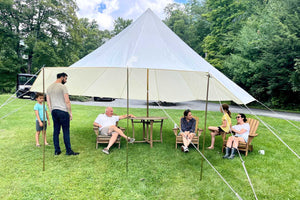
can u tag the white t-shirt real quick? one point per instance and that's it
(245, 126)
(104, 120)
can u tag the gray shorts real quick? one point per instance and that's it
(38, 127)
(105, 131)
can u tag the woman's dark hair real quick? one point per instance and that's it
(243, 116)
(186, 112)
(225, 107)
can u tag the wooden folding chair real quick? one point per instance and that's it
(103, 139)
(195, 139)
(243, 146)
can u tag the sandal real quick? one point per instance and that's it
(38, 145)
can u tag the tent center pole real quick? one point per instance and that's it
(147, 92)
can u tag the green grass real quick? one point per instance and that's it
(162, 172)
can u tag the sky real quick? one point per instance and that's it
(106, 11)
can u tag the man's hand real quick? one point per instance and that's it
(71, 117)
(131, 116)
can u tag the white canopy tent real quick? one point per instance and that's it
(176, 72)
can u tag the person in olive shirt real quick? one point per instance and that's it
(60, 107)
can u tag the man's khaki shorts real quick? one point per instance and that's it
(105, 131)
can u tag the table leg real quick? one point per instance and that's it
(132, 128)
(147, 125)
(151, 133)
(161, 125)
(143, 130)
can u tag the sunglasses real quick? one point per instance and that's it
(238, 117)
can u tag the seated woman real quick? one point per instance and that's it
(188, 124)
(241, 131)
(226, 123)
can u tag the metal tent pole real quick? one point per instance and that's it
(204, 132)
(127, 118)
(147, 92)
(44, 117)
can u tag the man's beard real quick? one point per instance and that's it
(63, 82)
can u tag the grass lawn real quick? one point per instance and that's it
(162, 172)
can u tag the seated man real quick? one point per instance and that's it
(107, 126)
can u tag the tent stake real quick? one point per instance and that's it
(203, 145)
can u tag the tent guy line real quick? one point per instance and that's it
(211, 165)
(266, 125)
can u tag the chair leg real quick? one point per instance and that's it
(247, 148)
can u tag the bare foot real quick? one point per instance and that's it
(210, 147)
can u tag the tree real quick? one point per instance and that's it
(120, 24)
(36, 32)
(187, 22)
(266, 55)
(91, 36)
(226, 18)
(10, 47)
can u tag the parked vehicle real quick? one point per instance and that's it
(103, 99)
(24, 83)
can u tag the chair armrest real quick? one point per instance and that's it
(122, 129)
(253, 135)
(96, 130)
(175, 130)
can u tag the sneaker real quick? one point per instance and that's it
(72, 153)
(186, 150)
(182, 148)
(131, 140)
(105, 150)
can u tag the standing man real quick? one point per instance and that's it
(60, 107)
